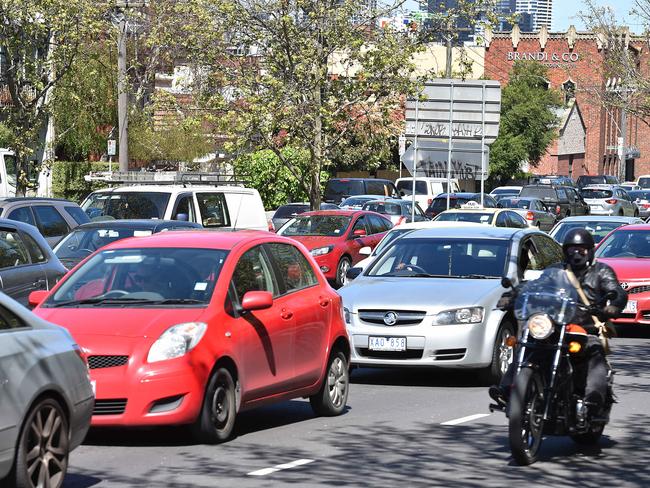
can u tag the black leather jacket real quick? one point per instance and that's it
(599, 280)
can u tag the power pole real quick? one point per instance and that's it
(449, 57)
(122, 96)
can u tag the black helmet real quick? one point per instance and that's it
(578, 238)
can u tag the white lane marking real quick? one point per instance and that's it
(292, 464)
(469, 418)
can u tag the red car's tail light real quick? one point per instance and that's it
(611, 201)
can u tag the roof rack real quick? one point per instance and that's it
(164, 178)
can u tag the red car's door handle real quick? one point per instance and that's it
(286, 314)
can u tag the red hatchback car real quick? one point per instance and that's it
(193, 327)
(334, 237)
(627, 251)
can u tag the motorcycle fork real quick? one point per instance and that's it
(550, 387)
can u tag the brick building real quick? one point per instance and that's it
(575, 62)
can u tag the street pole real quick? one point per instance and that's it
(449, 58)
(415, 155)
(122, 97)
(621, 145)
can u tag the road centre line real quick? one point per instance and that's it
(279, 467)
(469, 418)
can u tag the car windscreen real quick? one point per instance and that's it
(406, 186)
(625, 244)
(384, 208)
(443, 257)
(356, 201)
(316, 225)
(340, 188)
(515, 203)
(644, 182)
(127, 205)
(596, 193)
(504, 191)
(639, 195)
(390, 237)
(82, 242)
(598, 229)
(141, 277)
(440, 204)
(590, 180)
(477, 217)
(539, 192)
(288, 211)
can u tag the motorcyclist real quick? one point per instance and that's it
(606, 299)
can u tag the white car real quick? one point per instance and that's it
(393, 234)
(227, 207)
(430, 298)
(609, 200)
(426, 188)
(505, 191)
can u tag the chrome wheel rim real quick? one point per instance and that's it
(46, 455)
(505, 352)
(337, 382)
(343, 270)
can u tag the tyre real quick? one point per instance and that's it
(341, 271)
(502, 356)
(526, 417)
(636, 213)
(216, 420)
(333, 394)
(43, 448)
(621, 213)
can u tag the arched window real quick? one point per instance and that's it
(569, 89)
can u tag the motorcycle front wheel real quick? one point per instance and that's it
(526, 416)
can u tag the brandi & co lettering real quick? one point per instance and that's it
(543, 56)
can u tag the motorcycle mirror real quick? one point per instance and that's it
(506, 282)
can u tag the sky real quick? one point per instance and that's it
(567, 12)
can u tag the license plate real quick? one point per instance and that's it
(387, 343)
(630, 307)
(93, 385)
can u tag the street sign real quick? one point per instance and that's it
(112, 147)
(432, 157)
(402, 144)
(458, 109)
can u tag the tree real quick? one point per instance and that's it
(39, 41)
(318, 69)
(528, 121)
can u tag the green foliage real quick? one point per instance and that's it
(528, 121)
(68, 179)
(6, 135)
(271, 178)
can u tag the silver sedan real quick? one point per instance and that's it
(430, 298)
(533, 210)
(46, 398)
(609, 200)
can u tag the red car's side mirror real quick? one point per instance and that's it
(256, 300)
(37, 297)
(359, 233)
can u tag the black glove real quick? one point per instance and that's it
(506, 301)
(611, 311)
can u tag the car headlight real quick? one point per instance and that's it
(468, 315)
(346, 316)
(540, 326)
(319, 251)
(176, 341)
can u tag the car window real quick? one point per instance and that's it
(376, 225)
(549, 251)
(406, 186)
(344, 188)
(50, 222)
(517, 220)
(184, 208)
(288, 211)
(502, 220)
(361, 224)
(378, 188)
(9, 320)
(35, 252)
(561, 194)
(78, 215)
(529, 258)
(12, 250)
(213, 208)
(254, 273)
(489, 202)
(22, 214)
(295, 270)
(570, 194)
(127, 205)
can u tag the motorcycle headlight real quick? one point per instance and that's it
(176, 341)
(540, 326)
(469, 315)
(319, 251)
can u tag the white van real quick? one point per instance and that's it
(426, 188)
(223, 207)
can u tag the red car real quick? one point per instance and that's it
(627, 251)
(193, 327)
(334, 237)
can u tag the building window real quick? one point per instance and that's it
(569, 89)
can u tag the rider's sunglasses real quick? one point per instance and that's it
(578, 250)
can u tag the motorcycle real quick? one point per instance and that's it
(551, 367)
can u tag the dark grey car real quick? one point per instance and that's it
(286, 212)
(54, 217)
(27, 262)
(87, 238)
(46, 398)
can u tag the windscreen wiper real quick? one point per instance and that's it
(478, 277)
(100, 300)
(178, 301)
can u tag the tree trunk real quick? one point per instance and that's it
(22, 168)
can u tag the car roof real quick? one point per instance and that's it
(598, 218)
(175, 189)
(374, 197)
(635, 227)
(435, 224)
(34, 199)
(600, 186)
(458, 194)
(508, 188)
(482, 231)
(136, 223)
(341, 212)
(398, 201)
(358, 179)
(474, 210)
(204, 239)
